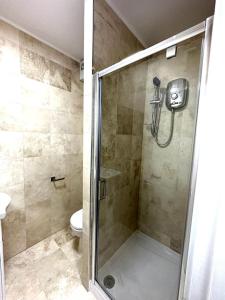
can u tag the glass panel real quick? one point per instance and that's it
(147, 137)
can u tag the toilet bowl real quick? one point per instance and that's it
(76, 223)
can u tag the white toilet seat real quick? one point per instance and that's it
(76, 221)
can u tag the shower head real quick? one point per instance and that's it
(156, 81)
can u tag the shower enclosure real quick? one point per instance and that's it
(144, 158)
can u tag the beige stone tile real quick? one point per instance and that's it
(58, 143)
(21, 261)
(37, 46)
(58, 169)
(34, 66)
(11, 119)
(38, 190)
(123, 146)
(123, 166)
(108, 146)
(77, 84)
(14, 232)
(108, 24)
(73, 144)
(135, 173)
(184, 168)
(40, 277)
(65, 101)
(66, 144)
(138, 121)
(9, 59)
(136, 150)
(38, 220)
(60, 209)
(126, 88)
(21, 281)
(124, 120)
(76, 102)
(57, 280)
(14, 235)
(9, 76)
(73, 164)
(11, 171)
(37, 67)
(34, 93)
(59, 76)
(36, 120)
(11, 145)
(75, 123)
(27, 287)
(62, 237)
(36, 144)
(37, 168)
(42, 249)
(8, 32)
(59, 99)
(72, 251)
(62, 122)
(10, 108)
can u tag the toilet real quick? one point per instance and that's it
(76, 223)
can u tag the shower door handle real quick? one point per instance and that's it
(102, 188)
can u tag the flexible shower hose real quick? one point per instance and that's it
(164, 145)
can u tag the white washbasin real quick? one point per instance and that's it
(4, 203)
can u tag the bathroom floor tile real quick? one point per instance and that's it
(48, 270)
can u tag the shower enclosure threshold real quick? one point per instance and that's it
(143, 269)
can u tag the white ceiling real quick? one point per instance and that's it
(59, 23)
(153, 21)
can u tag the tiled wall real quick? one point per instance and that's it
(166, 171)
(118, 212)
(112, 42)
(40, 136)
(122, 127)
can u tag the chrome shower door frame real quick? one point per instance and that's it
(204, 27)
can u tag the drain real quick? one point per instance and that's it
(109, 281)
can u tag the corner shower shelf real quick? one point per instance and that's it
(109, 173)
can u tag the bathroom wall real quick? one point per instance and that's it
(120, 135)
(40, 137)
(121, 138)
(166, 171)
(112, 42)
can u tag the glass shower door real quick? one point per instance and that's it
(147, 137)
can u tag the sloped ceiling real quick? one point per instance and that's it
(153, 21)
(59, 23)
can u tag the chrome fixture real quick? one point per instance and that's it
(176, 98)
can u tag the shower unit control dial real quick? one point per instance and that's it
(176, 94)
